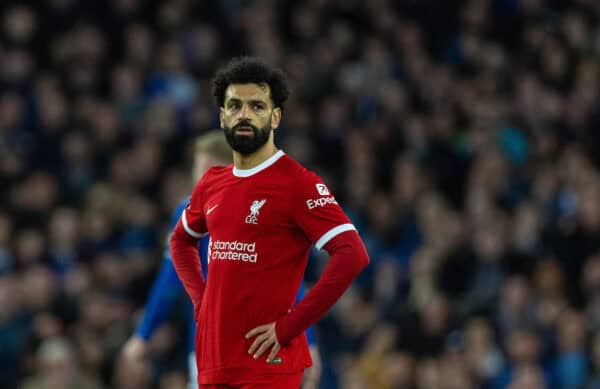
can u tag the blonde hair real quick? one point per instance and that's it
(214, 144)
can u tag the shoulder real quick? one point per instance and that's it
(212, 175)
(293, 169)
(303, 176)
(212, 179)
(217, 172)
(303, 181)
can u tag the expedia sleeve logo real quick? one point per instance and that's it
(322, 201)
(322, 189)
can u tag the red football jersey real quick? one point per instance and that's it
(262, 222)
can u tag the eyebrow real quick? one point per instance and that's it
(252, 101)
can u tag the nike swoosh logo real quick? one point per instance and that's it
(209, 210)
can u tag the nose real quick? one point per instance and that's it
(245, 112)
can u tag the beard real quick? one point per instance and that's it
(247, 144)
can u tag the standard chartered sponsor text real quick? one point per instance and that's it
(233, 251)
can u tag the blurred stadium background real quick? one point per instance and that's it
(461, 136)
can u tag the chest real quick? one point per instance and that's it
(241, 207)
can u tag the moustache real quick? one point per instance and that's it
(245, 124)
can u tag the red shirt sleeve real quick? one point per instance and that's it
(323, 221)
(184, 246)
(186, 260)
(348, 258)
(193, 218)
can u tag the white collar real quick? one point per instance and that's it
(260, 167)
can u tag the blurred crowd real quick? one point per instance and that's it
(460, 136)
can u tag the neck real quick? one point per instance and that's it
(249, 161)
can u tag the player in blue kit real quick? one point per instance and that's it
(209, 150)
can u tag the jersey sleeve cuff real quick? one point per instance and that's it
(188, 229)
(335, 231)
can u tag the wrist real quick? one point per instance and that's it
(282, 331)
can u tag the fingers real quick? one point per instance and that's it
(265, 338)
(274, 352)
(264, 347)
(257, 342)
(257, 330)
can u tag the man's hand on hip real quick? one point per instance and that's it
(265, 338)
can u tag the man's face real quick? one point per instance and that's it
(248, 117)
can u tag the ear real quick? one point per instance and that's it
(275, 118)
(222, 117)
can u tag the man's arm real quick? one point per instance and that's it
(164, 292)
(324, 223)
(165, 289)
(348, 258)
(186, 260)
(183, 246)
(312, 375)
(311, 336)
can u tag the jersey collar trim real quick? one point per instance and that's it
(250, 172)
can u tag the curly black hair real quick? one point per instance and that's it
(251, 70)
